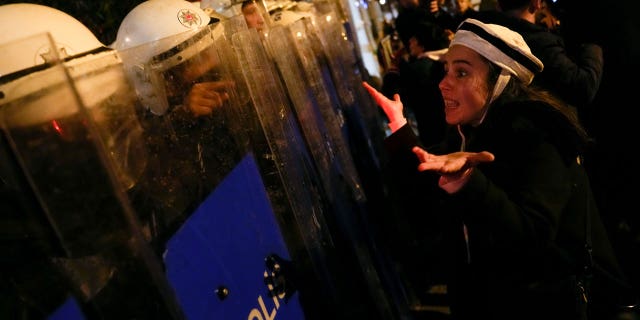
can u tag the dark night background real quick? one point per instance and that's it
(101, 17)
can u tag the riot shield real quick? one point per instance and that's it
(364, 126)
(231, 215)
(291, 114)
(71, 148)
(294, 164)
(301, 70)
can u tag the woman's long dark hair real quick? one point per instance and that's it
(518, 91)
(572, 140)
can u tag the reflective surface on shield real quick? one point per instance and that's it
(63, 142)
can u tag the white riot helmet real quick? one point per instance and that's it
(156, 19)
(155, 36)
(47, 90)
(21, 20)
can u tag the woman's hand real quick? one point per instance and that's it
(392, 108)
(454, 168)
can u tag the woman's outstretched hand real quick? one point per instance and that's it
(452, 162)
(392, 108)
(454, 168)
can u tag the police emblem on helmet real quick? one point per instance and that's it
(188, 18)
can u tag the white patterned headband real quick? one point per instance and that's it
(500, 45)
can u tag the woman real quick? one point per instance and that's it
(513, 200)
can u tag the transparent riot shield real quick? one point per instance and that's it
(314, 102)
(332, 260)
(366, 126)
(364, 123)
(71, 149)
(362, 114)
(300, 67)
(294, 123)
(224, 205)
(289, 154)
(185, 113)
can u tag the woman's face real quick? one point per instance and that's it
(462, 5)
(464, 86)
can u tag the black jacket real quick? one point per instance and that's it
(573, 74)
(524, 214)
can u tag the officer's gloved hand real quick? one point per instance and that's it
(392, 108)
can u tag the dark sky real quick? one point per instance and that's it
(102, 17)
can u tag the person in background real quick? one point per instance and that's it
(547, 18)
(416, 76)
(461, 10)
(412, 13)
(253, 15)
(507, 189)
(387, 47)
(571, 73)
(488, 5)
(443, 12)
